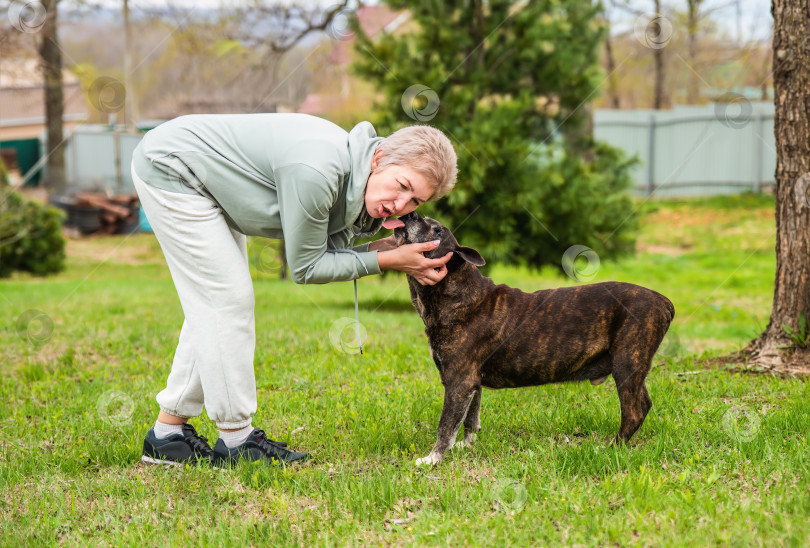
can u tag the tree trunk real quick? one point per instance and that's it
(693, 19)
(658, 56)
(131, 109)
(611, 70)
(51, 57)
(791, 80)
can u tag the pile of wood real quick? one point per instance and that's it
(117, 214)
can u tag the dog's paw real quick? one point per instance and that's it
(466, 443)
(431, 460)
(470, 439)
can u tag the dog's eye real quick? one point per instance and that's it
(437, 231)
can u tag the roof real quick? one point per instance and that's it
(317, 103)
(22, 94)
(25, 72)
(26, 106)
(373, 20)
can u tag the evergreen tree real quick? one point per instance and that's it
(508, 82)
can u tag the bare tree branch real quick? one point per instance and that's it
(296, 23)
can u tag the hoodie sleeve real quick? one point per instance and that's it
(342, 239)
(304, 198)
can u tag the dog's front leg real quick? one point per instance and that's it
(472, 422)
(457, 399)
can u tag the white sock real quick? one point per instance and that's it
(165, 430)
(237, 437)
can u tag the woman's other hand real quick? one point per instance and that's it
(410, 259)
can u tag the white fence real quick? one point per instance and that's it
(724, 148)
(98, 158)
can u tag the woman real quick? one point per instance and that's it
(206, 182)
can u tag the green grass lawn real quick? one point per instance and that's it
(721, 459)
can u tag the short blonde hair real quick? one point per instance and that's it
(427, 151)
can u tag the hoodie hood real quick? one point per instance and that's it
(363, 143)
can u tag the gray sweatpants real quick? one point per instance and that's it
(213, 364)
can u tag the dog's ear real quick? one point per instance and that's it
(470, 255)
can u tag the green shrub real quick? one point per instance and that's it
(3, 175)
(30, 236)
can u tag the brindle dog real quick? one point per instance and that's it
(495, 336)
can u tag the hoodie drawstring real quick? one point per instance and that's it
(356, 306)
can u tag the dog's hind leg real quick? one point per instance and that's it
(634, 400)
(630, 368)
(472, 422)
(457, 400)
(646, 402)
(631, 358)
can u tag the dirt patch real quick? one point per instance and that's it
(692, 217)
(687, 217)
(663, 249)
(137, 249)
(794, 366)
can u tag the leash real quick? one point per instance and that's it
(357, 318)
(356, 306)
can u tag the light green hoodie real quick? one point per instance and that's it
(286, 176)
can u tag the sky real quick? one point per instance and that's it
(751, 17)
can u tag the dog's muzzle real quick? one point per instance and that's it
(405, 234)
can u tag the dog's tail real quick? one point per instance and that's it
(669, 309)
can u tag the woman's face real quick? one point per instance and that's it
(395, 191)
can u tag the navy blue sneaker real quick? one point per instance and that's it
(177, 449)
(257, 447)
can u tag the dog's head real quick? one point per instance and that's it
(416, 229)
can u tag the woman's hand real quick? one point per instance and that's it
(409, 259)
